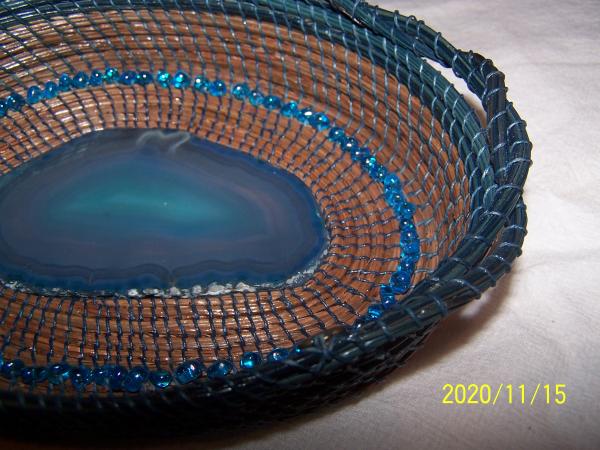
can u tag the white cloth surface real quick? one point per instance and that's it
(541, 324)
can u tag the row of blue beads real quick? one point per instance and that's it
(119, 378)
(81, 80)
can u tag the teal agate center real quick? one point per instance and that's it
(139, 209)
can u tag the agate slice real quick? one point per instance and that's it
(138, 209)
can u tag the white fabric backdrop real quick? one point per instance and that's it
(541, 324)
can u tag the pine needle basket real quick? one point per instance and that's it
(272, 79)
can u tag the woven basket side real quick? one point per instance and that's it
(467, 180)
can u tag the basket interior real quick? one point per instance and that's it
(278, 58)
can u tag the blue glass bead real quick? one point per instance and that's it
(240, 91)
(201, 83)
(101, 375)
(400, 277)
(250, 360)
(3, 108)
(359, 154)
(378, 172)
(128, 78)
(381, 173)
(96, 78)
(406, 266)
(387, 295)
(34, 95)
(319, 121)
(50, 90)
(144, 78)
(410, 257)
(272, 102)
(369, 162)
(15, 101)
(256, 98)
(373, 169)
(135, 379)
(163, 78)
(188, 371)
(407, 236)
(394, 198)
(80, 80)
(391, 182)
(305, 115)
(80, 377)
(349, 145)
(375, 311)
(31, 375)
(411, 247)
(12, 369)
(407, 225)
(218, 88)
(405, 210)
(27, 375)
(64, 83)
(290, 109)
(181, 80)
(117, 377)
(279, 354)
(141, 372)
(160, 378)
(219, 369)
(400, 281)
(337, 135)
(58, 373)
(111, 75)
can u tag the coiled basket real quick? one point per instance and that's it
(421, 202)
